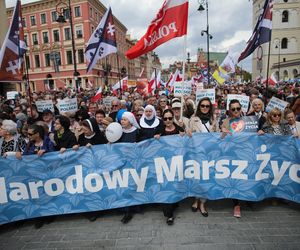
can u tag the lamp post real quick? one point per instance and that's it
(154, 66)
(209, 36)
(278, 47)
(60, 7)
(188, 64)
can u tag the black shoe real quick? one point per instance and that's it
(194, 209)
(126, 218)
(39, 224)
(203, 212)
(92, 218)
(170, 221)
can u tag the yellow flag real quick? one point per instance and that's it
(220, 75)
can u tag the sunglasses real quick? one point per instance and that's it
(139, 115)
(204, 106)
(168, 118)
(31, 134)
(276, 115)
(114, 105)
(236, 109)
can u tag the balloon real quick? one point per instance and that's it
(113, 132)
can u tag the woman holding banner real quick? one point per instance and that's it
(203, 121)
(130, 134)
(275, 125)
(151, 125)
(257, 109)
(170, 128)
(235, 112)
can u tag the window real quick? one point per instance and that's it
(77, 11)
(34, 39)
(28, 62)
(43, 18)
(69, 57)
(284, 43)
(80, 56)
(45, 37)
(91, 12)
(285, 1)
(47, 60)
(285, 74)
(56, 35)
(78, 31)
(66, 13)
(37, 61)
(32, 20)
(295, 73)
(54, 16)
(24, 22)
(67, 33)
(285, 16)
(26, 40)
(59, 58)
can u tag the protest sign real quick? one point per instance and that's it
(11, 95)
(242, 166)
(244, 124)
(67, 105)
(210, 93)
(42, 105)
(107, 101)
(243, 99)
(276, 103)
(182, 88)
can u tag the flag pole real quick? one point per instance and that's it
(118, 66)
(27, 83)
(267, 83)
(183, 73)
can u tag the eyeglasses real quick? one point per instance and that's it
(168, 118)
(204, 106)
(236, 109)
(114, 105)
(276, 115)
(31, 134)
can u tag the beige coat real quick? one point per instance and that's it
(195, 125)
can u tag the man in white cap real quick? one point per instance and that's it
(184, 122)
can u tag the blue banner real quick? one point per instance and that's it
(243, 166)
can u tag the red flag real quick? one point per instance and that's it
(13, 49)
(171, 21)
(98, 95)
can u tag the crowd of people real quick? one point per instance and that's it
(25, 131)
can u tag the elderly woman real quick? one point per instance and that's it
(257, 109)
(275, 125)
(293, 124)
(151, 125)
(10, 141)
(203, 121)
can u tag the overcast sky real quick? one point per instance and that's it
(230, 24)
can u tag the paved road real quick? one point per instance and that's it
(262, 226)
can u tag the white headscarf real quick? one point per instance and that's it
(143, 124)
(131, 119)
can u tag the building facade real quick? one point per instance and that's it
(285, 41)
(50, 55)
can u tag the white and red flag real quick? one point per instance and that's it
(170, 22)
(176, 77)
(123, 84)
(102, 42)
(98, 95)
(13, 49)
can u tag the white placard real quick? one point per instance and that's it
(67, 105)
(210, 93)
(199, 86)
(276, 103)
(11, 95)
(42, 105)
(107, 101)
(243, 99)
(187, 88)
